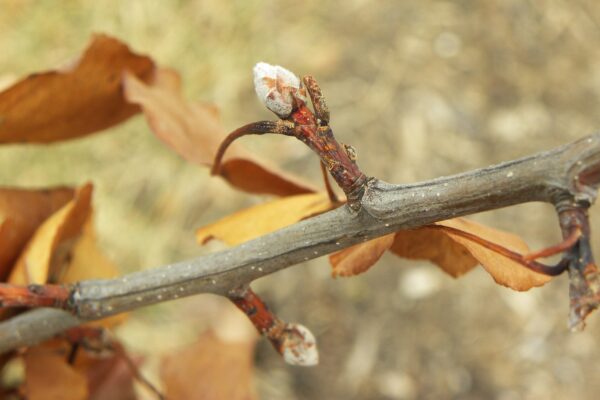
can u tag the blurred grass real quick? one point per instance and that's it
(421, 89)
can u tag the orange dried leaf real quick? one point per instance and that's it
(21, 212)
(211, 369)
(454, 254)
(457, 255)
(48, 376)
(264, 218)
(359, 258)
(63, 250)
(194, 131)
(88, 262)
(47, 252)
(505, 271)
(436, 246)
(58, 105)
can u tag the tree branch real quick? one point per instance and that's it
(566, 177)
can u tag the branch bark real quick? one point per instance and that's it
(565, 177)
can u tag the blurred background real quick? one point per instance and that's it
(421, 89)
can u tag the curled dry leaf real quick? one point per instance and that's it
(63, 250)
(58, 105)
(194, 131)
(49, 377)
(453, 253)
(264, 218)
(48, 252)
(21, 212)
(211, 369)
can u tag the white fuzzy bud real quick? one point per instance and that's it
(277, 87)
(299, 346)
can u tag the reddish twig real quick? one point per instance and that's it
(311, 128)
(340, 162)
(294, 342)
(563, 246)
(330, 192)
(30, 296)
(254, 128)
(317, 100)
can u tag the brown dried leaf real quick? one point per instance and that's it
(194, 131)
(454, 254)
(505, 271)
(436, 246)
(58, 105)
(108, 377)
(211, 369)
(48, 376)
(105, 369)
(359, 258)
(264, 218)
(64, 250)
(48, 252)
(21, 212)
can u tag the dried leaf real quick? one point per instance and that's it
(211, 369)
(48, 376)
(194, 132)
(454, 254)
(47, 253)
(88, 262)
(359, 258)
(108, 377)
(58, 105)
(505, 271)
(264, 218)
(21, 212)
(105, 370)
(64, 250)
(436, 246)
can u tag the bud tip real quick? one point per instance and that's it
(276, 88)
(299, 346)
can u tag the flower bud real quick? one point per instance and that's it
(277, 87)
(299, 346)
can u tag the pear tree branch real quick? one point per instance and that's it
(566, 177)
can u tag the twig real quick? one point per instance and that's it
(548, 176)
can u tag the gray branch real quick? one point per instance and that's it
(564, 176)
